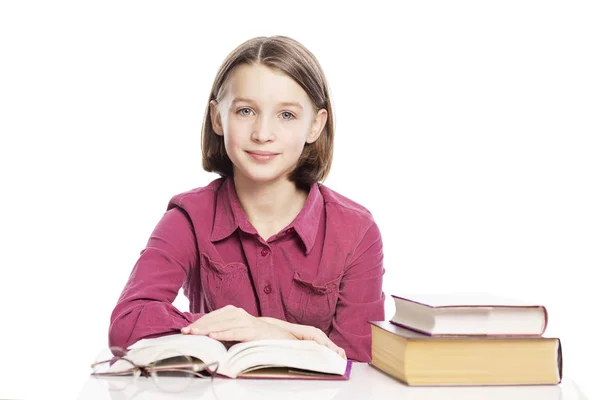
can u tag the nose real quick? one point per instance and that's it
(261, 131)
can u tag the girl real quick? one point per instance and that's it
(265, 251)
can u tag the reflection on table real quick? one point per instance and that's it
(365, 383)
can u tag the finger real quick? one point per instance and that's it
(338, 350)
(314, 335)
(333, 347)
(329, 344)
(341, 352)
(219, 326)
(203, 327)
(324, 340)
(219, 314)
(206, 321)
(242, 334)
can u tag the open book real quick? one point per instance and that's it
(284, 359)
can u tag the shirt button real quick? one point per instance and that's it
(264, 252)
(267, 289)
(289, 231)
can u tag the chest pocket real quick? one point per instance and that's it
(310, 303)
(226, 283)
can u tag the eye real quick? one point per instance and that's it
(287, 115)
(245, 111)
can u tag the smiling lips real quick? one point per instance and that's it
(262, 156)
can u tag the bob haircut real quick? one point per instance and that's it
(296, 61)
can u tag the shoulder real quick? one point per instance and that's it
(345, 215)
(198, 198)
(355, 224)
(342, 206)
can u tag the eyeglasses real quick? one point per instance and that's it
(173, 372)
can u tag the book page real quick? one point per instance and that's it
(201, 347)
(301, 354)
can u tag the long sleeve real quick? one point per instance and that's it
(145, 307)
(361, 298)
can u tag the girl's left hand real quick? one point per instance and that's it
(307, 332)
(235, 324)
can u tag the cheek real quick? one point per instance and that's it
(234, 134)
(297, 139)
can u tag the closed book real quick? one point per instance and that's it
(422, 360)
(469, 314)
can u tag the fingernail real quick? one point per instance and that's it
(185, 330)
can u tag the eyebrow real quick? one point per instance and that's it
(282, 104)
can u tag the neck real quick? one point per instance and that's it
(269, 206)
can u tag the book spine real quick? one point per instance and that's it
(545, 320)
(559, 361)
(411, 328)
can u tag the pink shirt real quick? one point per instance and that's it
(325, 269)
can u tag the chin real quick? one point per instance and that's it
(263, 176)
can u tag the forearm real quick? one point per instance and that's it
(145, 308)
(361, 298)
(352, 330)
(145, 319)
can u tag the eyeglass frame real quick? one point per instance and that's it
(147, 370)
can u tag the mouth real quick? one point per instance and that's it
(260, 155)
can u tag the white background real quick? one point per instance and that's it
(469, 129)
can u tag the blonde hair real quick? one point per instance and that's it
(296, 61)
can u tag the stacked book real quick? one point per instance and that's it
(470, 339)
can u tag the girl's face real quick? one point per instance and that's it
(265, 118)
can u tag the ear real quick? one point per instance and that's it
(215, 118)
(317, 126)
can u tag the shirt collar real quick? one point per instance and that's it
(306, 223)
(229, 215)
(228, 212)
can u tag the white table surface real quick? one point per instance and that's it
(365, 383)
